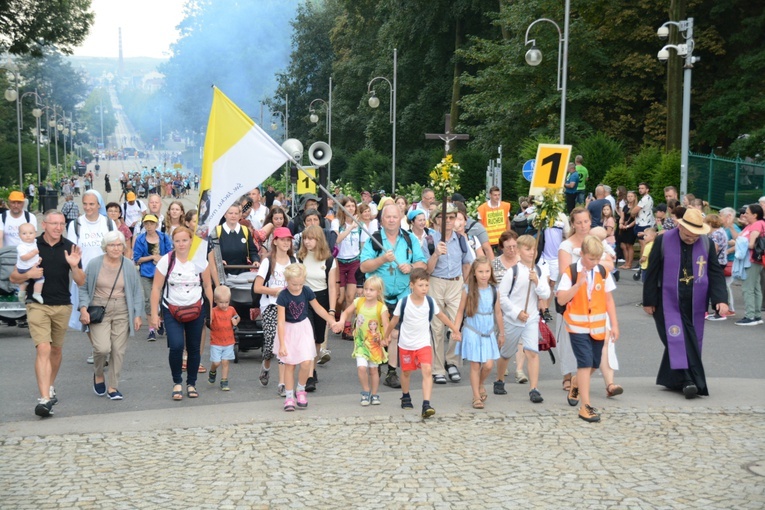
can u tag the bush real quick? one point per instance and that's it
(668, 174)
(645, 165)
(601, 153)
(368, 169)
(473, 178)
(619, 175)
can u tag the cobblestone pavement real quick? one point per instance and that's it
(635, 458)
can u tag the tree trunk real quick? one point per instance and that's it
(505, 31)
(677, 11)
(459, 38)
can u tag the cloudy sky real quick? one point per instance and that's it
(148, 28)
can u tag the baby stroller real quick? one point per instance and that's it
(249, 333)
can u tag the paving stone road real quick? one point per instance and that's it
(680, 457)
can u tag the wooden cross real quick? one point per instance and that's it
(701, 262)
(447, 136)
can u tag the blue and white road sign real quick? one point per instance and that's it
(528, 169)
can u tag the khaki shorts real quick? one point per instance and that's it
(48, 324)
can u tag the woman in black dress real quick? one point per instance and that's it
(627, 236)
(107, 183)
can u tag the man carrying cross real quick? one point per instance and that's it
(680, 281)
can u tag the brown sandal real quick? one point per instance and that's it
(567, 382)
(614, 389)
(482, 393)
(477, 404)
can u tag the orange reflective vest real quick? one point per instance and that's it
(585, 315)
(494, 219)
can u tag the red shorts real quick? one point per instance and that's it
(348, 272)
(412, 360)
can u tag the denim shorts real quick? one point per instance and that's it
(221, 352)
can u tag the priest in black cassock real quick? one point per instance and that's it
(683, 276)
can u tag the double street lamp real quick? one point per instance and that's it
(534, 58)
(682, 50)
(374, 102)
(100, 110)
(12, 94)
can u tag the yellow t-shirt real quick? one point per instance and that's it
(646, 253)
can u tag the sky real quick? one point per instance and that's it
(148, 28)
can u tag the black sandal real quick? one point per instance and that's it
(177, 394)
(192, 392)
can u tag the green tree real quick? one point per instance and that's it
(28, 27)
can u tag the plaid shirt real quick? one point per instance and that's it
(70, 211)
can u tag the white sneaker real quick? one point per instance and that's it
(520, 377)
(90, 359)
(324, 356)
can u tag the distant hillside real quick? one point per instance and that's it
(98, 66)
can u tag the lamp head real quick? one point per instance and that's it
(11, 95)
(534, 56)
(663, 32)
(37, 113)
(273, 126)
(374, 101)
(314, 118)
(663, 55)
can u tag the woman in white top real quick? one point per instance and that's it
(370, 223)
(278, 218)
(269, 282)
(175, 217)
(186, 284)
(403, 206)
(569, 252)
(418, 225)
(321, 278)
(348, 245)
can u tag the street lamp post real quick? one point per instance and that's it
(534, 58)
(682, 50)
(12, 94)
(374, 102)
(315, 119)
(36, 113)
(100, 111)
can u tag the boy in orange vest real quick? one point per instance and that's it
(588, 302)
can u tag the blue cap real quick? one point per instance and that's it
(413, 214)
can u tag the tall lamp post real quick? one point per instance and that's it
(313, 117)
(12, 94)
(374, 102)
(682, 50)
(534, 58)
(36, 113)
(54, 124)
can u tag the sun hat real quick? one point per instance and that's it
(450, 209)
(150, 217)
(280, 232)
(693, 221)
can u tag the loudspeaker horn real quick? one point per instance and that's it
(320, 153)
(294, 148)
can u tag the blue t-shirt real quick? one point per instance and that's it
(396, 283)
(295, 307)
(572, 177)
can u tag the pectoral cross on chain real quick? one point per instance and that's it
(391, 269)
(701, 262)
(687, 278)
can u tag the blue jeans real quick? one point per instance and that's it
(180, 335)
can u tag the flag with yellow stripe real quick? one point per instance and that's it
(238, 156)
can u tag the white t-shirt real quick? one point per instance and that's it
(565, 281)
(258, 216)
(184, 287)
(11, 226)
(133, 212)
(645, 216)
(414, 334)
(24, 248)
(372, 227)
(349, 248)
(276, 280)
(91, 235)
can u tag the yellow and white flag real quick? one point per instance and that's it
(238, 156)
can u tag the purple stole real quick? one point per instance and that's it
(673, 324)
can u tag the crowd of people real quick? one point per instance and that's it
(374, 271)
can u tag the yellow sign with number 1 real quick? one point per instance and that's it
(550, 168)
(304, 184)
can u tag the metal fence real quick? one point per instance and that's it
(725, 182)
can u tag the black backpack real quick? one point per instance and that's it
(377, 236)
(759, 249)
(572, 269)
